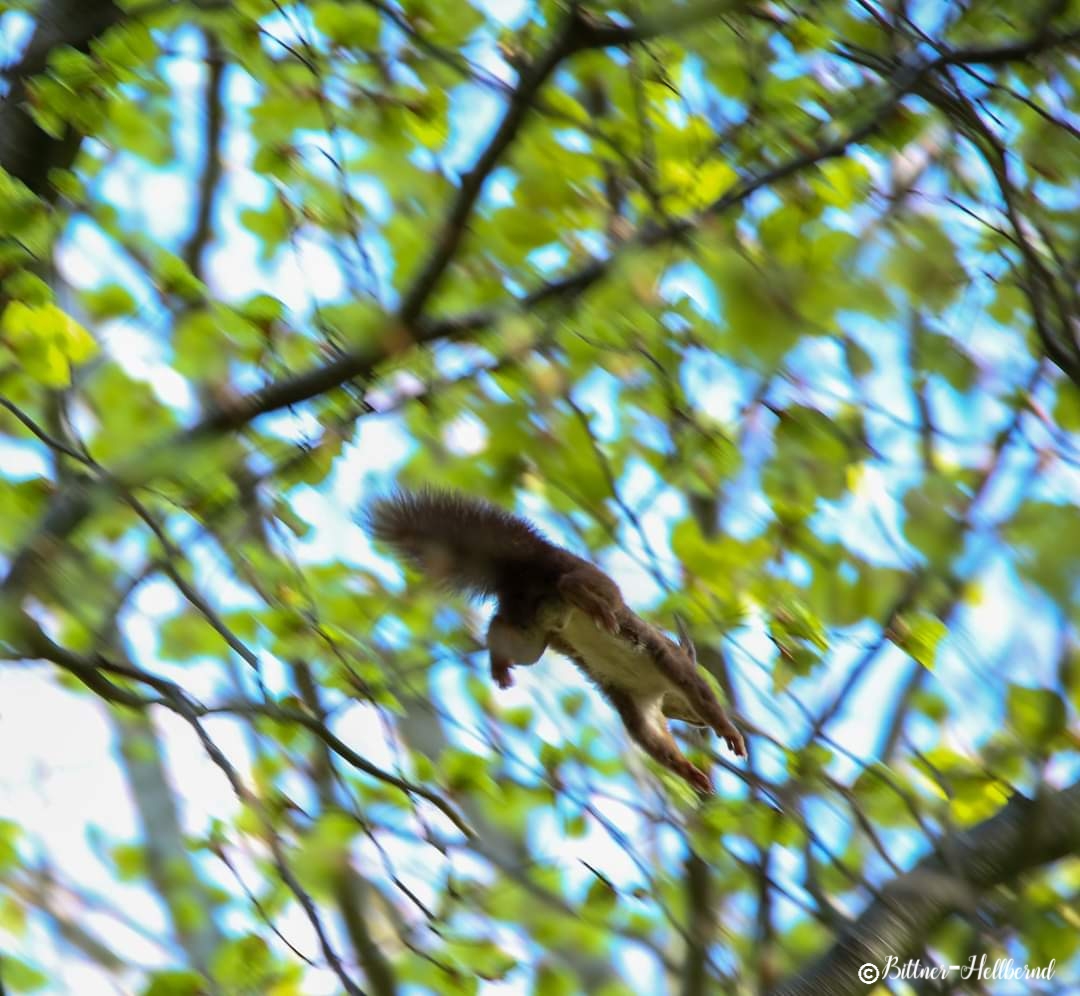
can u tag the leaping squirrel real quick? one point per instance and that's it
(547, 596)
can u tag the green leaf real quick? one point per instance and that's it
(841, 182)
(1009, 301)
(128, 45)
(795, 621)
(932, 510)
(188, 636)
(72, 67)
(199, 348)
(143, 129)
(128, 414)
(324, 852)
(243, 964)
(554, 981)
(761, 325)
(453, 23)
(1038, 715)
(347, 24)
(9, 836)
(858, 359)
(725, 564)
(271, 225)
(483, 958)
(810, 461)
(919, 636)
(23, 217)
(1044, 537)
(262, 309)
(931, 705)
(942, 355)
(1066, 408)
(175, 278)
(46, 341)
(463, 771)
(573, 702)
(108, 301)
(175, 983)
(601, 898)
(130, 861)
(28, 288)
(881, 795)
(974, 792)
(13, 917)
(20, 977)
(924, 263)
(615, 989)
(21, 503)
(519, 717)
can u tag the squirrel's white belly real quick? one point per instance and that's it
(610, 659)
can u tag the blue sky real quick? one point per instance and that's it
(67, 779)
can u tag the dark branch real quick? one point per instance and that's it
(210, 178)
(575, 33)
(26, 151)
(1023, 835)
(1017, 51)
(95, 672)
(73, 506)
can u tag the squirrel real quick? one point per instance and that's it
(549, 597)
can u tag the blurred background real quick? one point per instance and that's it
(769, 309)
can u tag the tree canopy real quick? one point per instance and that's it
(771, 309)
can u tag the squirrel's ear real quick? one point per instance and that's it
(684, 638)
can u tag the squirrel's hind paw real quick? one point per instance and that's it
(500, 672)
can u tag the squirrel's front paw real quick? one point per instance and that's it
(734, 739)
(587, 595)
(603, 615)
(606, 618)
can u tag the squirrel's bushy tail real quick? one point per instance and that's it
(462, 543)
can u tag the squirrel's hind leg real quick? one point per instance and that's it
(509, 645)
(500, 670)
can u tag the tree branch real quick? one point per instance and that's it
(93, 672)
(72, 506)
(701, 923)
(210, 177)
(26, 151)
(568, 39)
(352, 892)
(1023, 835)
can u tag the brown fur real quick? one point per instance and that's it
(548, 596)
